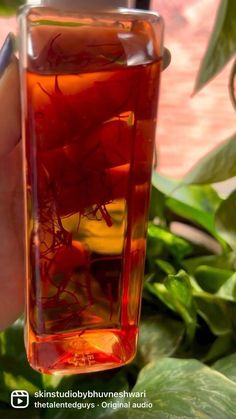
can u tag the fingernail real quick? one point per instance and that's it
(166, 59)
(6, 52)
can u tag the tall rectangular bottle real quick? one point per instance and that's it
(90, 80)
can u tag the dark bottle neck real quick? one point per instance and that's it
(142, 4)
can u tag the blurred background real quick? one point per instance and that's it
(188, 126)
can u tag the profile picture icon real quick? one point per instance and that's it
(19, 399)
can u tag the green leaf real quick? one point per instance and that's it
(227, 366)
(190, 213)
(214, 314)
(164, 184)
(161, 241)
(216, 166)
(165, 266)
(231, 313)
(157, 204)
(228, 290)
(161, 292)
(211, 279)
(197, 204)
(176, 294)
(202, 199)
(180, 288)
(222, 346)
(182, 389)
(225, 220)
(159, 336)
(222, 44)
(226, 261)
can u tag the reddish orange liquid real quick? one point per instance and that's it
(89, 149)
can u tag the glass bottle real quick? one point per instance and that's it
(90, 81)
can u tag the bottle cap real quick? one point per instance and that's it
(83, 4)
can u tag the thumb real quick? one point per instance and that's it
(10, 123)
(166, 59)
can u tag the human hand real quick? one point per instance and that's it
(11, 213)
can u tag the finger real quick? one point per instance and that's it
(166, 59)
(12, 272)
(10, 122)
